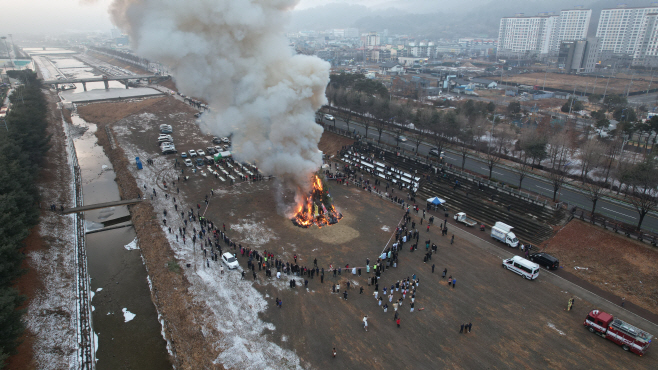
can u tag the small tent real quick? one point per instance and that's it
(436, 200)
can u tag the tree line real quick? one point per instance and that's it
(22, 149)
(474, 126)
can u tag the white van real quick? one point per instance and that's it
(522, 266)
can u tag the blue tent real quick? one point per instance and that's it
(436, 200)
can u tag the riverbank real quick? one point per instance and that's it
(180, 314)
(49, 341)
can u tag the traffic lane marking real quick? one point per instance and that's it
(618, 213)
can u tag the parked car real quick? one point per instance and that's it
(169, 150)
(165, 138)
(200, 152)
(192, 153)
(199, 162)
(226, 140)
(210, 150)
(230, 261)
(218, 149)
(183, 155)
(166, 129)
(188, 162)
(197, 115)
(216, 140)
(545, 260)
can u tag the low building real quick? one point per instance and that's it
(579, 56)
(391, 68)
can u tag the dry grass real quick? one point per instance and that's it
(110, 112)
(617, 85)
(119, 63)
(614, 263)
(331, 143)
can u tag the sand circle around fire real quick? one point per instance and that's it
(336, 234)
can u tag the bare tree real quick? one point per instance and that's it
(464, 136)
(643, 181)
(593, 192)
(590, 157)
(612, 149)
(522, 169)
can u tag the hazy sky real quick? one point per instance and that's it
(44, 16)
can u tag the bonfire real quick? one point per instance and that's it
(316, 208)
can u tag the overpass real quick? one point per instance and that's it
(104, 79)
(101, 205)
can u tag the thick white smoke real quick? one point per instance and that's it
(234, 55)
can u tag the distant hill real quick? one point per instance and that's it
(477, 19)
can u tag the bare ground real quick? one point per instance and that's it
(104, 113)
(118, 63)
(610, 261)
(567, 82)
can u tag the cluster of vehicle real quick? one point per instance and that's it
(202, 157)
(165, 140)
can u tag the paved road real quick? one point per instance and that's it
(608, 207)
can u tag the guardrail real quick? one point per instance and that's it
(83, 319)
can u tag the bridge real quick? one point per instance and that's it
(101, 205)
(104, 79)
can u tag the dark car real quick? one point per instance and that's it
(545, 260)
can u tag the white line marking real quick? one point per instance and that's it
(618, 212)
(543, 188)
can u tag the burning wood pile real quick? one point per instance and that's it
(317, 208)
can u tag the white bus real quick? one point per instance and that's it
(522, 266)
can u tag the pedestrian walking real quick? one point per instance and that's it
(365, 322)
(623, 301)
(450, 281)
(398, 322)
(452, 240)
(461, 329)
(454, 281)
(432, 268)
(334, 352)
(469, 327)
(412, 307)
(345, 295)
(445, 271)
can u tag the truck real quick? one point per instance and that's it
(624, 334)
(461, 217)
(503, 233)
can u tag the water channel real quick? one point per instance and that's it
(124, 317)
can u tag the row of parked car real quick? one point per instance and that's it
(165, 140)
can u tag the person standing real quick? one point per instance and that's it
(452, 240)
(412, 306)
(365, 322)
(345, 295)
(398, 322)
(445, 271)
(469, 327)
(461, 330)
(454, 281)
(334, 352)
(432, 268)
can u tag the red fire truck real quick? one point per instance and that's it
(624, 334)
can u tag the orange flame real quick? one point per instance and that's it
(312, 210)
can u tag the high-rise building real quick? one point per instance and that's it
(521, 34)
(646, 50)
(619, 29)
(571, 25)
(543, 33)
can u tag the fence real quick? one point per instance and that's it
(83, 320)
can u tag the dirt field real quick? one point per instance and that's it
(610, 261)
(617, 85)
(515, 322)
(331, 143)
(104, 113)
(118, 63)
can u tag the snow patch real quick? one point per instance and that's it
(132, 245)
(127, 315)
(254, 232)
(552, 326)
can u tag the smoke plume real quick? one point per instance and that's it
(234, 55)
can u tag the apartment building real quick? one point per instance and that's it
(619, 29)
(570, 25)
(646, 51)
(523, 34)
